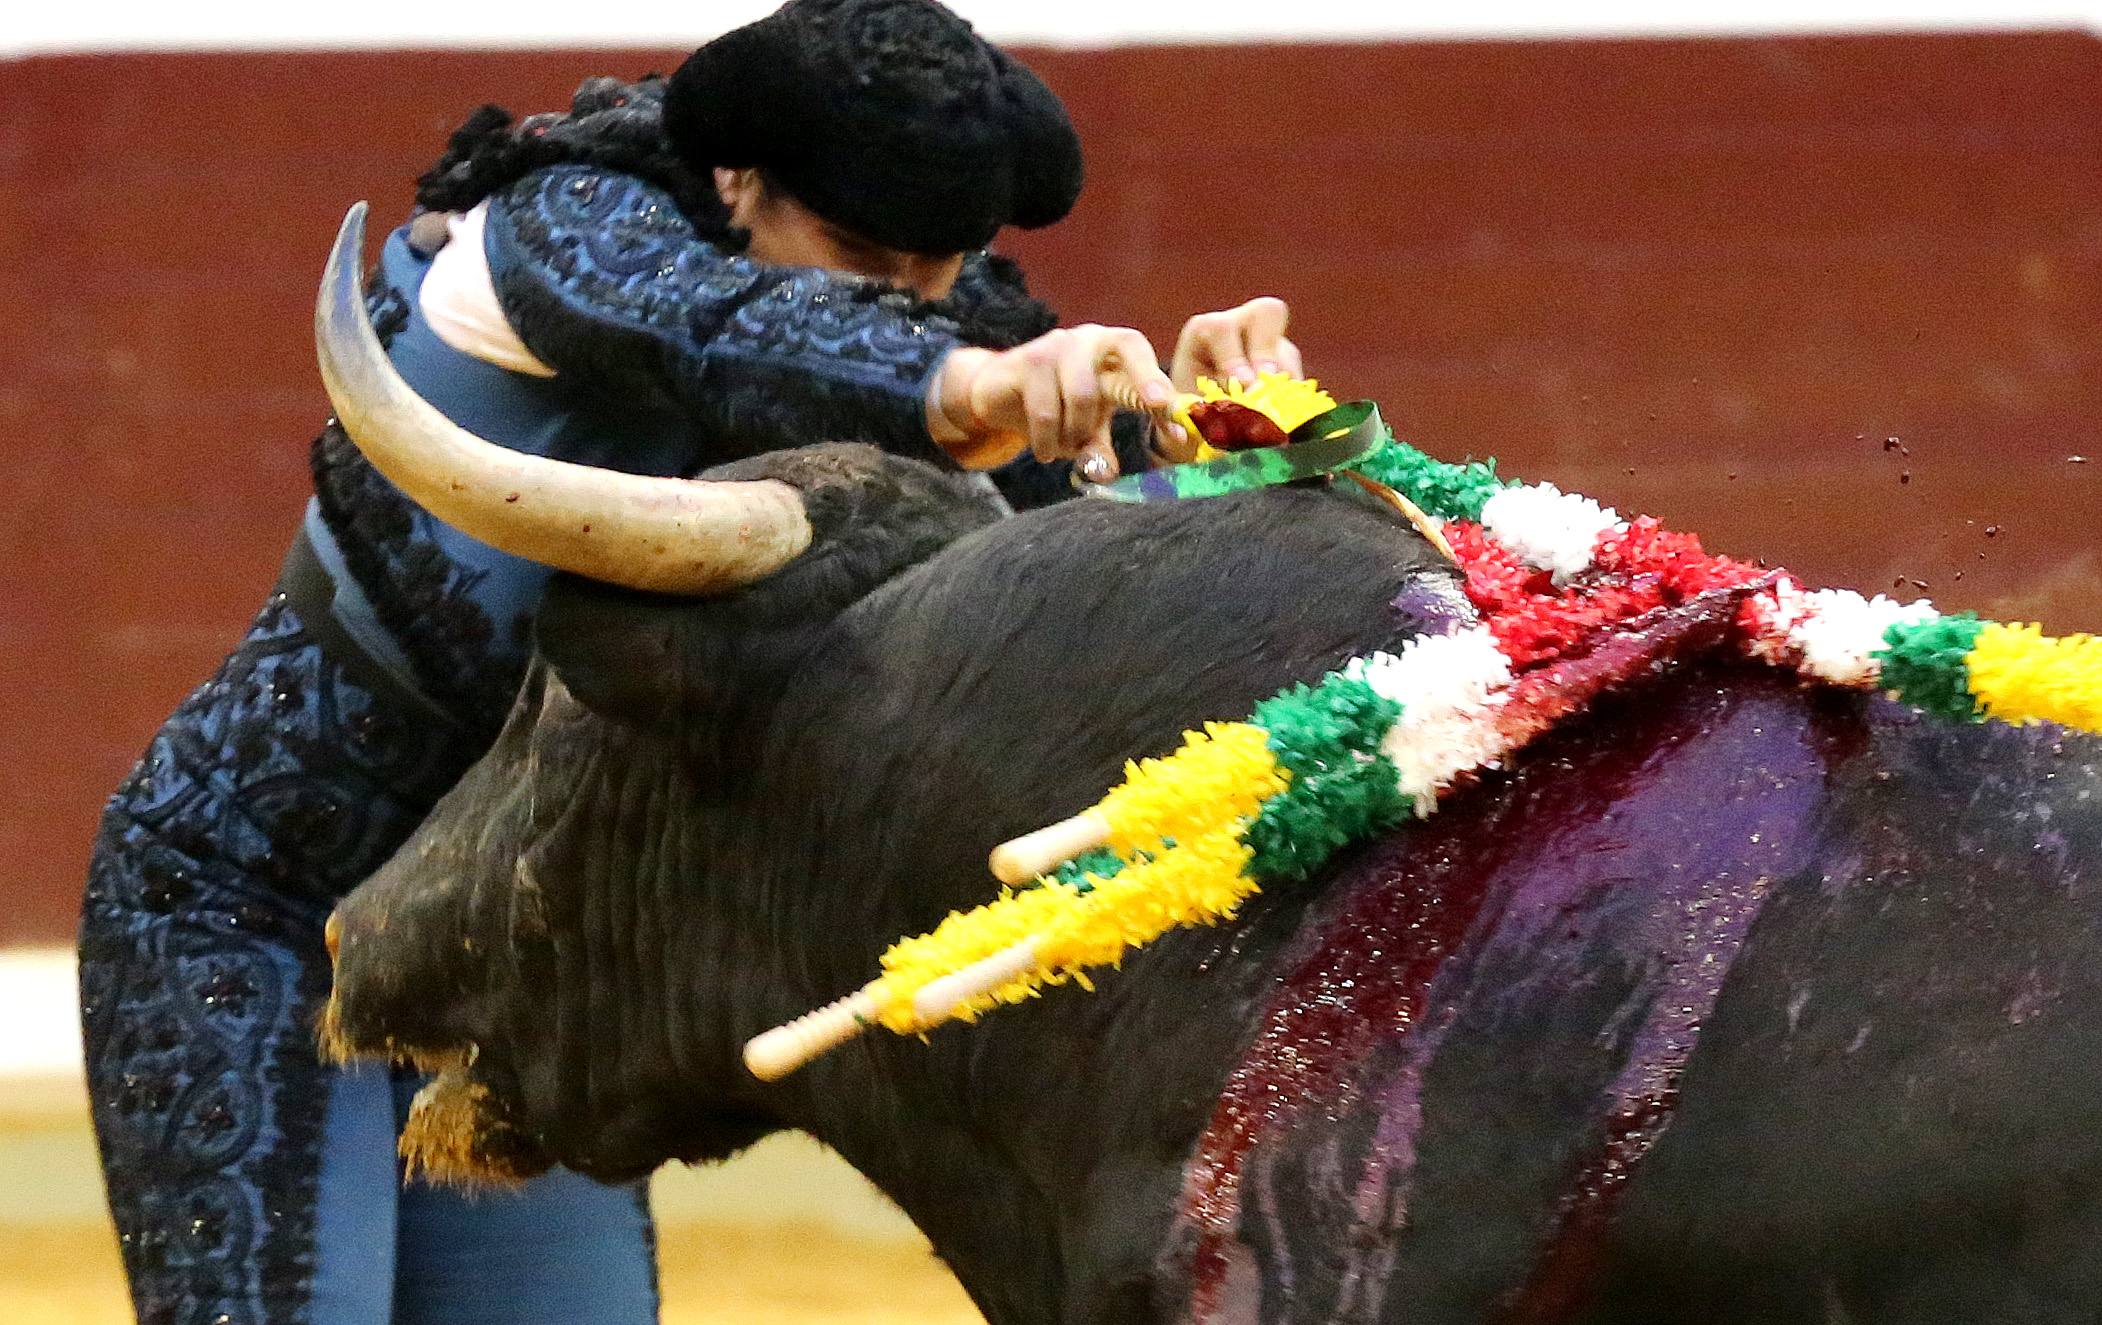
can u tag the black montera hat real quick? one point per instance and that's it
(891, 118)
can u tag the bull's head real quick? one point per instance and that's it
(710, 811)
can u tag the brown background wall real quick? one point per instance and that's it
(1700, 279)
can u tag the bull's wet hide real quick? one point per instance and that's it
(1689, 1019)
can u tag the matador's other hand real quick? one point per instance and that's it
(1235, 344)
(1055, 395)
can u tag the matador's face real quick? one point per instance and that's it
(787, 233)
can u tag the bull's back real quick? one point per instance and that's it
(1734, 1002)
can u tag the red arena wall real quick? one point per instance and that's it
(1836, 302)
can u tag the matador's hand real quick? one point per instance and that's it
(1236, 344)
(1054, 395)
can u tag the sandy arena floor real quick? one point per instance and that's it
(787, 1235)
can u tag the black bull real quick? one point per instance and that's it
(1733, 1002)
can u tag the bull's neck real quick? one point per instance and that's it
(1044, 1150)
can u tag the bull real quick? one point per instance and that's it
(1733, 1001)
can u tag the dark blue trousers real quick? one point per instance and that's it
(562, 1250)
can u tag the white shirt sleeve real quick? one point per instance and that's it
(459, 302)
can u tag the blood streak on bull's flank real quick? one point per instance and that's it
(1378, 982)
(1366, 977)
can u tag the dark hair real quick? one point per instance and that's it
(610, 123)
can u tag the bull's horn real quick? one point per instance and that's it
(665, 535)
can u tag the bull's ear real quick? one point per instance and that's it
(692, 671)
(615, 649)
